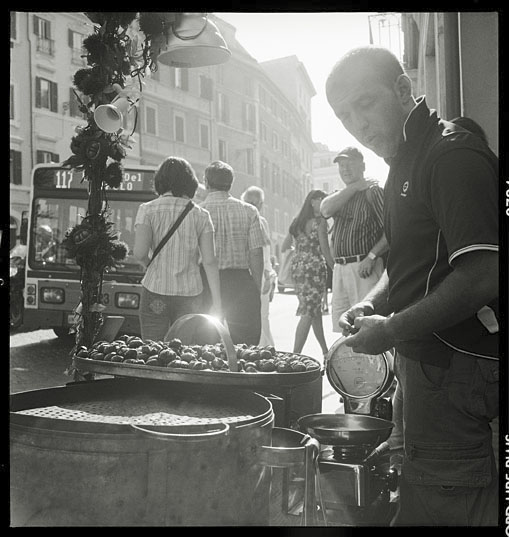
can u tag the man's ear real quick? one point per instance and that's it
(403, 89)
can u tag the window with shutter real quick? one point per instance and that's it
(38, 93)
(181, 78)
(223, 108)
(150, 120)
(206, 88)
(36, 25)
(204, 136)
(179, 129)
(73, 104)
(46, 94)
(46, 156)
(11, 103)
(249, 162)
(53, 96)
(15, 167)
(222, 151)
(14, 32)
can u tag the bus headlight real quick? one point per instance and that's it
(127, 300)
(52, 295)
(12, 271)
(31, 289)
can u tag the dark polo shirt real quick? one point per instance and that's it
(441, 201)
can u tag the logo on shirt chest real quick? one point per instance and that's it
(404, 189)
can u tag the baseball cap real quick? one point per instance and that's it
(349, 152)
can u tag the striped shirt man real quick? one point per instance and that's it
(175, 270)
(358, 225)
(238, 229)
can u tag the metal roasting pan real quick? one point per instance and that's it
(229, 378)
(346, 429)
(113, 404)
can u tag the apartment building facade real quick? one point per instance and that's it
(236, 112)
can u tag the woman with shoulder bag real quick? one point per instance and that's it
(309, 268)
(178, 232)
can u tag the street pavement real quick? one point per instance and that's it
(38, 359)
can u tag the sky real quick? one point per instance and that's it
(318, 40)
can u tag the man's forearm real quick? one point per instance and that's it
(333, 202)
(381, 246)
(460, 295)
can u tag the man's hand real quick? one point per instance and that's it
(347, 319)
(372, 337)
(366, 267)
(266, 283)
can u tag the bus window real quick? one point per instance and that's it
(60, 214)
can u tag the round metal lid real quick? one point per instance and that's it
(356, 375)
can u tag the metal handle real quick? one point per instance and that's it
(312, 450)
(210, 434)
(269, 396)
(222, 332)
(284, 451)
(383, 448)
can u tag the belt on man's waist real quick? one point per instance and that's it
(349, 259)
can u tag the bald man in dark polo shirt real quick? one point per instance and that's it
(437, 304)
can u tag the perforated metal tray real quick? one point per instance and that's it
(143, 410)
(113, 402)
(259, 379)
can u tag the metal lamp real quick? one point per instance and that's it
(194, 41)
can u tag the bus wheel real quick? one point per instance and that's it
(62, 332)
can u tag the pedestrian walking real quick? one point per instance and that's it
(437, 303)
(256, 197)
(308, 232)
(172, 285)
(358, 239)
(240, 239)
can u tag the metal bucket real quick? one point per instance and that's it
(105, 453)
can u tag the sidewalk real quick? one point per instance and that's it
(283, 323)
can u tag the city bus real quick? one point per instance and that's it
(58, 201)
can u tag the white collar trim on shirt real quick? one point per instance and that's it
(418, 101)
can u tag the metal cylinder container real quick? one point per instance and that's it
(134, 452)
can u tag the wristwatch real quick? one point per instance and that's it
(372, 256)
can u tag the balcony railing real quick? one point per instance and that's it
(46, 46)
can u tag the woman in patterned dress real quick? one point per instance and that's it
(308, 232)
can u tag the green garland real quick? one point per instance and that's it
(112, 54)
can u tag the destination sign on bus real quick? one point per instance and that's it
(64, 179)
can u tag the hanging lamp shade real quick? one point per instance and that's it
(194, 41)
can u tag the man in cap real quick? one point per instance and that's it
(239, 238)
(358, 239)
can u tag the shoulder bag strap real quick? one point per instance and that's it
(172, 230)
